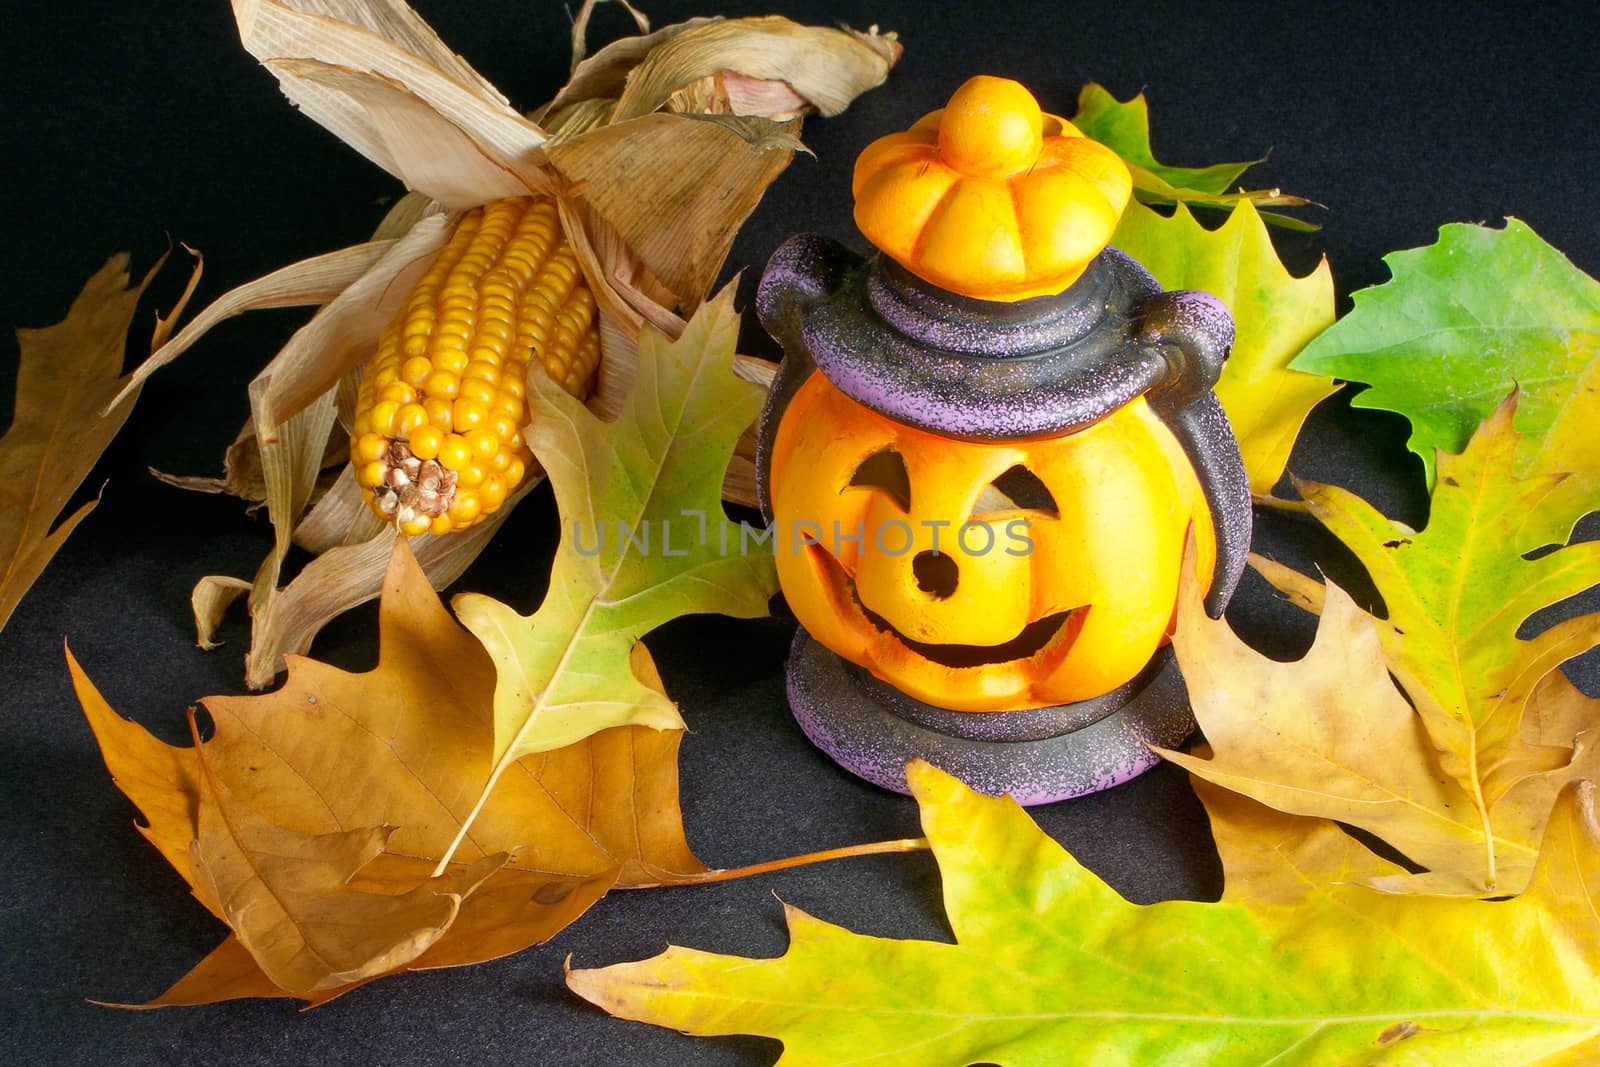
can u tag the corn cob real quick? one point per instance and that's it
(437, 441)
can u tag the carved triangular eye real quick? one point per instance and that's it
(885, 470)
(1017, 489)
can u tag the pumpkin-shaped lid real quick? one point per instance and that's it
(990, 197)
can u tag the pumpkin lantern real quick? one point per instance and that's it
(983, 456)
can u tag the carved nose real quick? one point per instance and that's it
(936, 573)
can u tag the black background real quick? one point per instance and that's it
(128, 122)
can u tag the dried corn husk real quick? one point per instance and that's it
(347, 63)
(756, 371)
(826, 67)
(336, 581)
(307, 283)
(340, 517)
(656, 152)
(311, 282)
(243, 477)
(720, 173)
(340, 337)
(212, 597)
(580, 27)
(823, 68)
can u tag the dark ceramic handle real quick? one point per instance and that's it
(1191, 332)
(805, 268)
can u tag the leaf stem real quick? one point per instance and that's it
(472, 817)
(1276, 503)
(1491, 876)
(872, 848)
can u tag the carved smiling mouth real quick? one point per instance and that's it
(1033, 638)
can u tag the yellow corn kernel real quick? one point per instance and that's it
(454, 452)
(369, 447)
(483, 443)
(410, 418)
(452, 362)
(446, 382)
(399, 392)
(415, 371)
(425, 442)
(492, 492)
(477, 389)
(440, 412)
(469, 413)
(442, 383)
(382, 417)
(464, 509)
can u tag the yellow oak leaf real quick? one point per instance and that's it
(1272, 857)
(1457, 593)
(1049, 962)
(1569, 446)
(1275, 315)
(1330, 736)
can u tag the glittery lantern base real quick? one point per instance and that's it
(1037, 756)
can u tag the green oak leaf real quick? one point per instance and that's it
(1459, 325)
(643, 541)
(1274, 313)
(1124, 127)
(1052, 966)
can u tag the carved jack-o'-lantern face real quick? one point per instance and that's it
(983, 577)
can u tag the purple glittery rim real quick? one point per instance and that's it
(968, 369)
(860, 732)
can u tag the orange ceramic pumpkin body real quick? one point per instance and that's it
(1057, 584)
